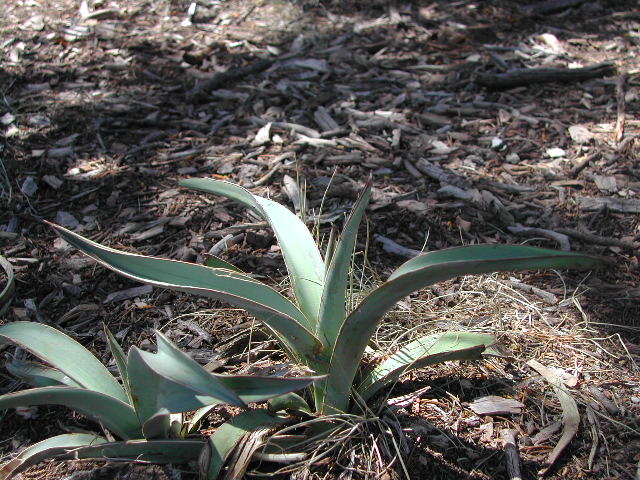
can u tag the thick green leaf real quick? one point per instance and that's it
(225, 439)
(65, 354)
(59, 445)
(254, 389)
(276, 311)
(279, 314)
(289, 402)
(301, 255)
(114, 414)
(120, 358)
(331, 248)
(171, 379)
(152, 451)
(424, 351)
(85, 446)
(418, 273)
(225, 189)
(198, 416)
(158, 425)
(213, 261)
(39, 375)
(332, 307)
(160, 381)
(7, 292)
(299, 249)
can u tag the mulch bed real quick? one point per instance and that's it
(105, 107)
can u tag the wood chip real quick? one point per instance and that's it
(128, 294)
(616, 205)
(494, 405)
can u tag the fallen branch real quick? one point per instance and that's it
(548, 297)
(613, 204)
(563, 240)
(597, 239)
(581, 166)
(390, 246)
(527, 76)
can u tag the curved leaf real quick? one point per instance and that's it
(418, 273)
(51, 447)
(39, 375)
(254, 389)
(239, 289)
(290, 402)
(152, 451)
(158, 381)
(171, 379)
(299, 249)
(197, 417)
(65, 354)
(7, 292)
(121, 360)
(332, 307)
(86, 446)
(424, 351)
(114, 414)
(212, 261)
(158, 425)
(225, 439)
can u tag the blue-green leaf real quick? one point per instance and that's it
(167, 381)
(424, 351)
(158, 425)
(332, 307)
(152, 451)
(278, 313)
(120, 358)
(253, 389)
(171, 379)
(416, 274)
(299, 249)
(114, 414)
(65, 354)
(213, 261)
(39, 375)
(51, 447)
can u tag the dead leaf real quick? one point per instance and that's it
(570, 414)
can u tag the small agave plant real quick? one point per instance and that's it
(315, 327)
(144, 411)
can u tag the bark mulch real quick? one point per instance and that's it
(480, 122)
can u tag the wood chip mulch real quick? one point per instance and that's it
(480, 122)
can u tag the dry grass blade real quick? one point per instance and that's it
(570, 414)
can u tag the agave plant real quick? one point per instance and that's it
(144, 411)
(315, 327)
